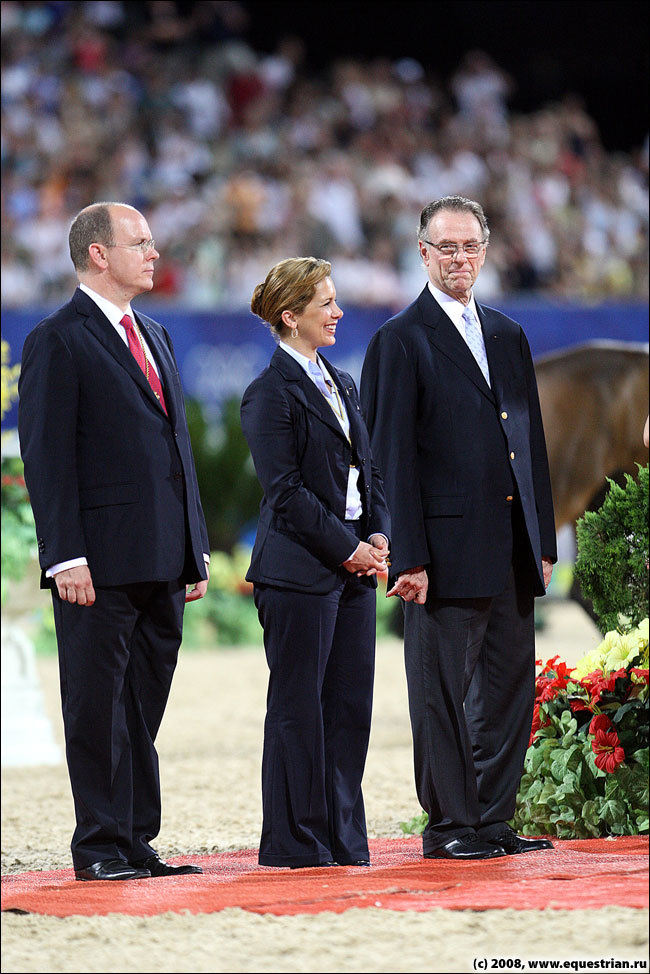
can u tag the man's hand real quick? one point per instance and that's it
(547, 568)
(412, 585)
(76, 585)
(198, 590)
(368, 559)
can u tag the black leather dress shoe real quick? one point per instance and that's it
(465, 849)
(158, 867)
(316, 865)
(356, 862)
(514, 844)
(112, 869)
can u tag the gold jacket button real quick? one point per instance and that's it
(512, 455)
(504, 415)
(509, 497)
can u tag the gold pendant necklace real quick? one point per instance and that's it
(338, 411)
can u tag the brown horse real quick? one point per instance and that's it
(594, 400)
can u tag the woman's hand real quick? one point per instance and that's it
(368, 559)
(379, 541)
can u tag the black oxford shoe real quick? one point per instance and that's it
(465, 849)
(156, 866)
(514, 844)
(356, 862)
(112, 869)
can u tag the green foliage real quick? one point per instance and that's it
(230, 492)
(10, 375)
(386, 611)
(415, 825)
(221, 619)
(45, 635)
(613, 554)
(18, 537)
(226, 616)
(577, 784)
(563, 793)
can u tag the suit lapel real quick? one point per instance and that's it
(494, 349)
(99, 325)
(445, 336)
(346, 392)
(302, 387)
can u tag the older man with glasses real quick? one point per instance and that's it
(450, 399)
(121, 534)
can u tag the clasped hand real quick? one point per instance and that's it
(369, 558)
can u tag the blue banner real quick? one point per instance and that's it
(219, 354)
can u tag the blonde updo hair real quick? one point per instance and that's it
(289, 286)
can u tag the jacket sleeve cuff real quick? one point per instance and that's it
(62, 566)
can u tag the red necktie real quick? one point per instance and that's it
(137, 347)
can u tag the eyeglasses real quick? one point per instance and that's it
(145, 246)
(451, 250)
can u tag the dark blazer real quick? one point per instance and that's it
(454, 453)
(302, 459)
(110, 476)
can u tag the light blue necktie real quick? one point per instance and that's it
(319, 379)
(474, 337)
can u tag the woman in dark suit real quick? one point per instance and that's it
(313, 573)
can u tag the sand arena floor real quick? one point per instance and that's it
(210, 752)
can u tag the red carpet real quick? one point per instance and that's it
(580, 874)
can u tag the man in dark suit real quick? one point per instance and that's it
(450, 398)
(121, 534)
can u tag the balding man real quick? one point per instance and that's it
(451, 401)
(121, 534)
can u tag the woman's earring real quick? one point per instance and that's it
(294, 333)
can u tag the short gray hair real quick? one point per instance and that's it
(457, 204)
(92, 225)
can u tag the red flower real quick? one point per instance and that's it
(557, 669)
(553, 678)
(537, 724)
(607, 748)
(596, 684)
(600, 722)
(577, 705)
(9, 481)
(642, 674)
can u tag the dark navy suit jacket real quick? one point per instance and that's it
(110, 476)
(302, 458)
(455, 452)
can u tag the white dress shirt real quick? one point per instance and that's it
(114, 315)
(454, 309)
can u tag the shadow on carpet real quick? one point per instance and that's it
(577, 874)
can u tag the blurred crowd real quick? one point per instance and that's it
(239, 158)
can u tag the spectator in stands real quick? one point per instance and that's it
(189, 121)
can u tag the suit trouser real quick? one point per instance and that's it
(470, 667)
(320, 651)
(116, 662)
